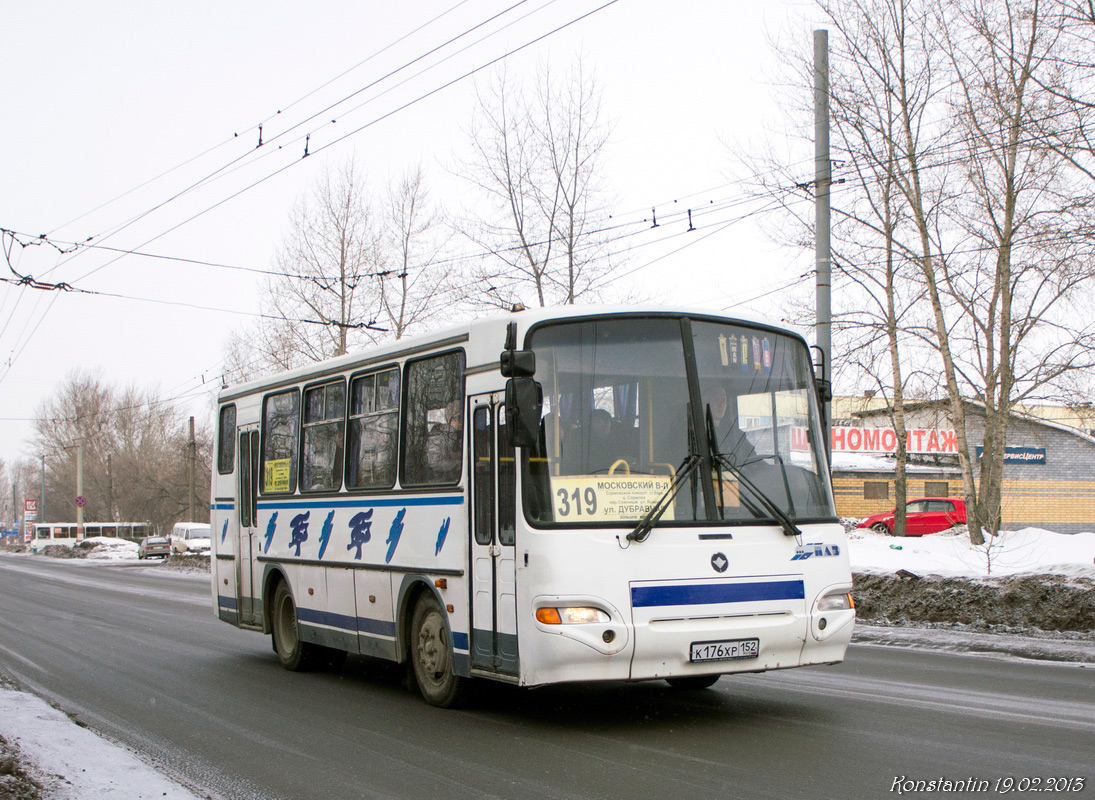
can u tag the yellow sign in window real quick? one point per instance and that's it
(276, 478)
(607, 498)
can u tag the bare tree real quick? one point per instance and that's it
(988, 183)
(351, 272)
(134, 454)
(537, 160)
(418, 289)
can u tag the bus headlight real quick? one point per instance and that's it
(836, 602)
(570, 616)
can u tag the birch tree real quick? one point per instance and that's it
(989, 184)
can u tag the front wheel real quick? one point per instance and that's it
(431, 656)
(881, 528)
(693, 682)
(293, 654)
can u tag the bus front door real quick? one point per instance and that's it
(248, 534)
(493, 563)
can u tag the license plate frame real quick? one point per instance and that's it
(723, 650)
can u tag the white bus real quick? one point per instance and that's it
(556, 495)
(66, 533)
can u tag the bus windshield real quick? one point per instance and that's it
(628, 402)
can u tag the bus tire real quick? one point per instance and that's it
(431, 656)
(693, 682)
(293, 654)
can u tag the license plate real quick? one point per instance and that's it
(726, 650)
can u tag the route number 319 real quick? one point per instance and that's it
(576, 502)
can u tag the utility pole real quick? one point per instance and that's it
(79, 489)
(42, 498)
(191, 470)
(110, 489)
(823, 176)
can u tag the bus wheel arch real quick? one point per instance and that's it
(433, 656)
(295, 654)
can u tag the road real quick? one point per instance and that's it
(135, 652)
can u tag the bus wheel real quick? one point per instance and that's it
(693, 682)
(293, 654)
(431, 656)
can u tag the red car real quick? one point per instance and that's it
(923, 515)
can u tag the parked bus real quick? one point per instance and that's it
(65, 533)
(574, 494)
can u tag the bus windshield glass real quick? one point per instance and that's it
(619, 422)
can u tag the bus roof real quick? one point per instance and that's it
(487, 335)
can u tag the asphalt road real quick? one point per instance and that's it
(135, 652)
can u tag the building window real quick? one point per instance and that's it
(876, 490)
(936, 488)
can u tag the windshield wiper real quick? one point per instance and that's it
(769, 505)
(647, 523)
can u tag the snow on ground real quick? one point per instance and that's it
(950, 554)
(71, 762)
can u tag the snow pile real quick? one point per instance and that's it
(1029, 551)
(71, 762)
(106, 548)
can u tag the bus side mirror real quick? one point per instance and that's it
(524, 407)
(517, 363)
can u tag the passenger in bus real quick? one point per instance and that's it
(729, 437)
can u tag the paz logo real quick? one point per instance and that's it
(719, 562)
(811, 549)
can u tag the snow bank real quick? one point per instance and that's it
(73, 763)
(950, 554)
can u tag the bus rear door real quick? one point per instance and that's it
(249, 539)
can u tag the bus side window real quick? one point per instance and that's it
(434, 424)
(280, 415)
(323, 434)
(226, 449)
(374, 430)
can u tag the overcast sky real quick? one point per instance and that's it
(113, 108)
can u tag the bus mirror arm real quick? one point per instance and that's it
(524, 407)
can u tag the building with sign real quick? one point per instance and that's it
(1049, 467)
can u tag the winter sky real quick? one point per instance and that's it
(115, 108)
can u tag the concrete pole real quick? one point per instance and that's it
(79, 489)
(110, 488)
(42, 498)
(191, 470)
(823, 254)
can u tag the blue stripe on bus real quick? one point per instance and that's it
(713, 593)
(222, 506)
(385, 501)
(377, 627)
(227, 602)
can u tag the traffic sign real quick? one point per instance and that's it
(81, 501)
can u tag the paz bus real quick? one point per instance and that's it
(578, 494)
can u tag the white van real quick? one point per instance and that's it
(191, 537)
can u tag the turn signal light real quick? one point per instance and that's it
(548, 616)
